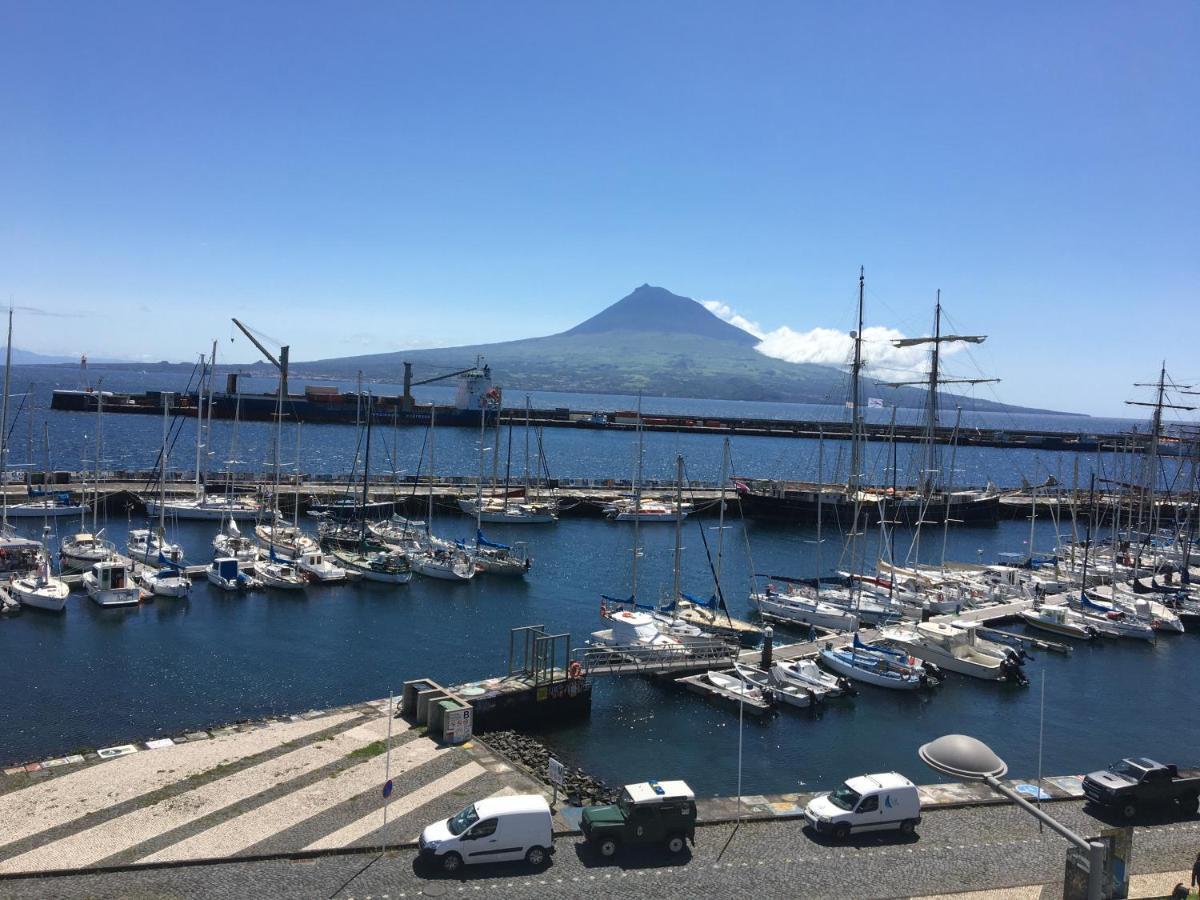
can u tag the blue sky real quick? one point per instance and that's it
(366, 177)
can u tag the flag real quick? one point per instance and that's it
(741, 486)
(874, 403)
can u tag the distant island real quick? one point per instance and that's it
(652, 342)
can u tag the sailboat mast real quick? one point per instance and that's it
(856, 429)
(507, 463)
(99, 423)
(526, 446)
(892, 518)
(479, 486)
(4, 425)
(366, 476)
(931, 411)
(296, 483)
(212, 372)
(162, 475)
(432, 433)
(820, 498)
(678, 526)
(948, 482)
(721, 510)
(200, 421)
(637, 503)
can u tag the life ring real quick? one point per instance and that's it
(575, 669)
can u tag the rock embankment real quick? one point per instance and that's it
(581, 789)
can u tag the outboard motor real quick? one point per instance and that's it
(1012, 671)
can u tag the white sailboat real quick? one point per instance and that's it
(40, 589)
(499, 507)
(226, 572)
(169, 580)
(439, 559)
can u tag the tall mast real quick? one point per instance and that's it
(208, 440)
(637, 503)
(4, 425)
(721, 510)
(479, 486)
(526, 446)
(99, 444)
(200, 421)
(820, 498)
(296, 482)
(162, 480)
(678, 527)
(366, 477)
(856, 428)
(432, 432)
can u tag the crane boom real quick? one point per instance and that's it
(281, 363)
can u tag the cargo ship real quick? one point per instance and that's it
(318, 403)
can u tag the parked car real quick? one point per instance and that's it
(882, 802)
(654, 812)
(1132, 784)
(492, 830)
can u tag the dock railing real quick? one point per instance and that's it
(642, 660)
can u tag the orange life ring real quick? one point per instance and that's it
(575, 670)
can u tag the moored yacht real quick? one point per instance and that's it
(40, 589)
(109, 583)
(957, 647)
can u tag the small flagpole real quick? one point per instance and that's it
(387, 773)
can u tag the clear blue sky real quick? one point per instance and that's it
(369, 176)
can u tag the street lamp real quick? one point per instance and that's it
(968, 758)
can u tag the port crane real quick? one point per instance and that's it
(406, 401)
(281, 363)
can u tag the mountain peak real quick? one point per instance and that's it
(655, 309)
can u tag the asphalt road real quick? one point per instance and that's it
(953, 850)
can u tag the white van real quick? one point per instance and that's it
(492, 830)
(867, 803)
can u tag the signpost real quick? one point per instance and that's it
(387, 770)
(557, 776)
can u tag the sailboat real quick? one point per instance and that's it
(169, 580)
(205, 506)
(387, 567)
(274, 572)
(79, 552)
(638, 508)
(436, 558)
(883, 667)
(40, 588)
(504, 509)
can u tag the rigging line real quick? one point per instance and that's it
(707, 553)
(742, 518)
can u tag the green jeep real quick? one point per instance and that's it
(654, 812)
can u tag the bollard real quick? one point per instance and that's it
(768, 641)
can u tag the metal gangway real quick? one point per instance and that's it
(693, 656)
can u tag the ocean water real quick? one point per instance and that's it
(93, 677)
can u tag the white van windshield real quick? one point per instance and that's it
(845, 798)
(463, 821)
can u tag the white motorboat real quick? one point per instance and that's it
(226, 573)
(165, 582)
(40, 589)
(634, 629)
(800, 696)
(283, 576)
(386, 568)
(801, 605)
(1059, 619)
(109, 583)
(318, 568)
(806, 673)
(151, 548)
(957, 647)
(736, 688)
(211, 507)
(79, 552)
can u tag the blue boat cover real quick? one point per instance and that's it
(484, 542)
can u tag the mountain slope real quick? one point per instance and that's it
(651, 341)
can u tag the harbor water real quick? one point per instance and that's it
(90, 678)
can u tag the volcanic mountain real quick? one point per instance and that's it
(651, 341)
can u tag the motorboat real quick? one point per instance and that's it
(152, 548)
(802, 605)
(957, 647)
(226, 573)
(1059, 619)
(279, 574)
(806, 673)
(79, 552)
(167, 581)
(386, 567)
(800, 696)
(109, 583)
(314, 565)
(736, 689)
(40, 589)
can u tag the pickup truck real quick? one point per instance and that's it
(1132, 784)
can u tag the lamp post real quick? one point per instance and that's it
(968, 758)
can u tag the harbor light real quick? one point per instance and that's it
(971, 759)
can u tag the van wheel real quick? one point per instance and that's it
(908, 826)
(607, 847)
(1129, 810)
(841, 831)
(676, 843)
(451, 862)
(536, 857)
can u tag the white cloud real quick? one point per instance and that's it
(831, 347)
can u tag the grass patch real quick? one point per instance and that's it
(368, 751)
